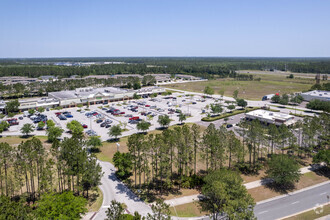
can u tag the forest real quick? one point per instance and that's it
(179, 157)
(199, 66)
(39, 176)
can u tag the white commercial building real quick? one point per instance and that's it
(269, 117)
(316, 94)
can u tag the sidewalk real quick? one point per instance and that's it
(250, 185)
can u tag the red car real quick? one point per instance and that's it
(57, 113)
(95, 113)
(147, 105)
(115, 113)
(122, 113)
(85, 126)
(134, 118)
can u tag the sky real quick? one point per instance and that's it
(108, 28)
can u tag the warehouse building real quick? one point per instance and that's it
(269, 117)
(316, 94)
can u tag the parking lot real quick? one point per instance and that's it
(147, 109)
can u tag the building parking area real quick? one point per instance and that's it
(98, 119)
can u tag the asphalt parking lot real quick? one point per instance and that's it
(190, 105)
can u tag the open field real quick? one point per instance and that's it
(253, 90)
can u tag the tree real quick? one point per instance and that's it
(12, 106)
(208, 90)
(94, 142)
(284, 99)
(60, 206)
(75, 127)
(115, 211)
(41, 109)
(283, 170)
(323, 156)
(27, 129)
(115, 131)
(276, 98)
(231, 107)
(160, 211)
(54, 133)
(226, 195)
(31, 111)
(143, 125)
(235, 94)
(164, 120)
(242, 103)
(3, 126)
(50, 123)
(124, 165)
(136, 96)
(216, 108)
(319, 105)
(182, 117)
(137, 85)
(41, 125)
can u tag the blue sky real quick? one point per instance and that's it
(79, 28)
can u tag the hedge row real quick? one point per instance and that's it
(225, 115)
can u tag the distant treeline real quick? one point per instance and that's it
(199, 66)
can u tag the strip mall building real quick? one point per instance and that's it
(84, 96)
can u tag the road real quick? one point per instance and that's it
(293, 203)
(112, 189)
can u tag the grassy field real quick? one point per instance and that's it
(311, 214)
(253, 90)
(95, 200)
(187, 210)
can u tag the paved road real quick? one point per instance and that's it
(112, 189)
(293, 203)
(285, 205)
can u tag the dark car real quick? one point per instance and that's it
(229, 125)
(103, 124)
(20, 118)
(99, 120)
(108, 126)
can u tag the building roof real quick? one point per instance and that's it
(269, 115)
(87, 92)
(318, 93)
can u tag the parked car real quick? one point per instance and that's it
(147, 105)
(108, 126)
(84, 126)
(99, 120)
(108, 121)
(229, 125)
(68, 116)
(20, 118)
